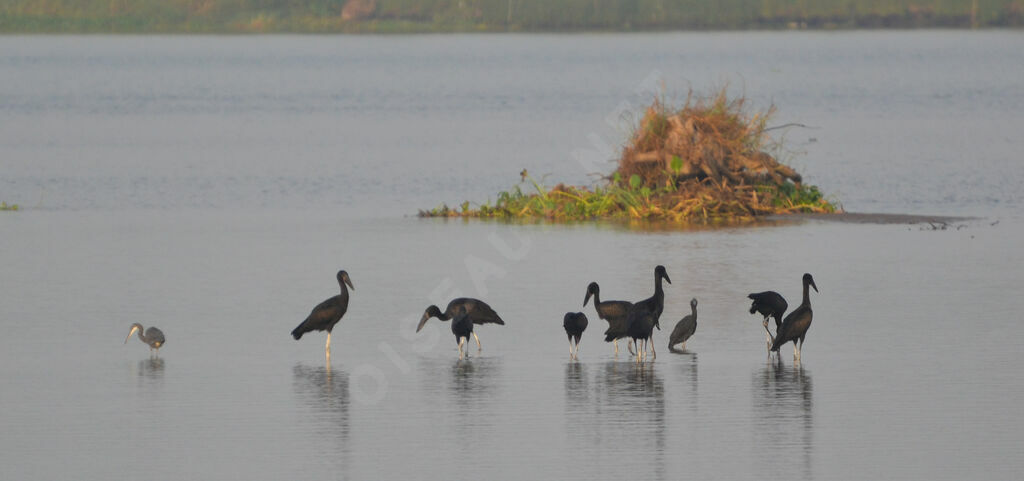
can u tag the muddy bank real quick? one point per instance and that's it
(874, 218)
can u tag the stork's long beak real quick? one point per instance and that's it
(423, 321)
(130, 334)
(814, 286)
(587, 298)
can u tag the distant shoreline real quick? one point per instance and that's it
(493, 16)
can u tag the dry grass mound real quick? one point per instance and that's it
(707, 160)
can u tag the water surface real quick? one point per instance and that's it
(212, 186)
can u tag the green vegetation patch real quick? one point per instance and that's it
(401, 16)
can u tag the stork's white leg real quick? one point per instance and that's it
(570, 348)
(654, 353)
(576, 355)
(796, 350)
(462, 341)
(616, 343)
(478, 346)
(327, 347)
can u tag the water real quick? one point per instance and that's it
(213, 186)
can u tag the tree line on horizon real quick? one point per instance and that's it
(397, 16)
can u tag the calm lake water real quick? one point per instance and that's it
(212, 186)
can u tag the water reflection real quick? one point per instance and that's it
(631, 405)
(470, 390)
(687, 375)
(784, 417)
(576, 390)
(152, 368)
(323, 393)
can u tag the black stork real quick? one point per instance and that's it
(326, 314)
(462, 327)
(769, 304)
(574, 323)
(795, 325)
(652, 306)
(478, 311)
(612, 311)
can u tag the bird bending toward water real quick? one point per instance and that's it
(612, 311)
(152, 337)
(326, 314)
(769, 304)
(574, 323)
(478, 311)
(684, 329)
(795, 325)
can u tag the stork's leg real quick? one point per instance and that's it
(570, 347)
(654, 353)
(462, 341)
(327, 347)
(577, 353)
(796, 349)
(478, 346)
(616, 343)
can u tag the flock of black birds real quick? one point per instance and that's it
(626, 320)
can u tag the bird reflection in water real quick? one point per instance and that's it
(687, 373)
(470, 390)
(472, 378)
(152, 368)
(324, 396)
(631, 402)
(576, 394)
(784, 417)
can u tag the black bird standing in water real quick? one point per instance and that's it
(478, 311)
(684, 329)
(769, 304)
(326, 314)
(652, 307)
(574, 323)
(641, 325)
(612, 311)
(152, 337)
(795, 325)
(462, 327)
